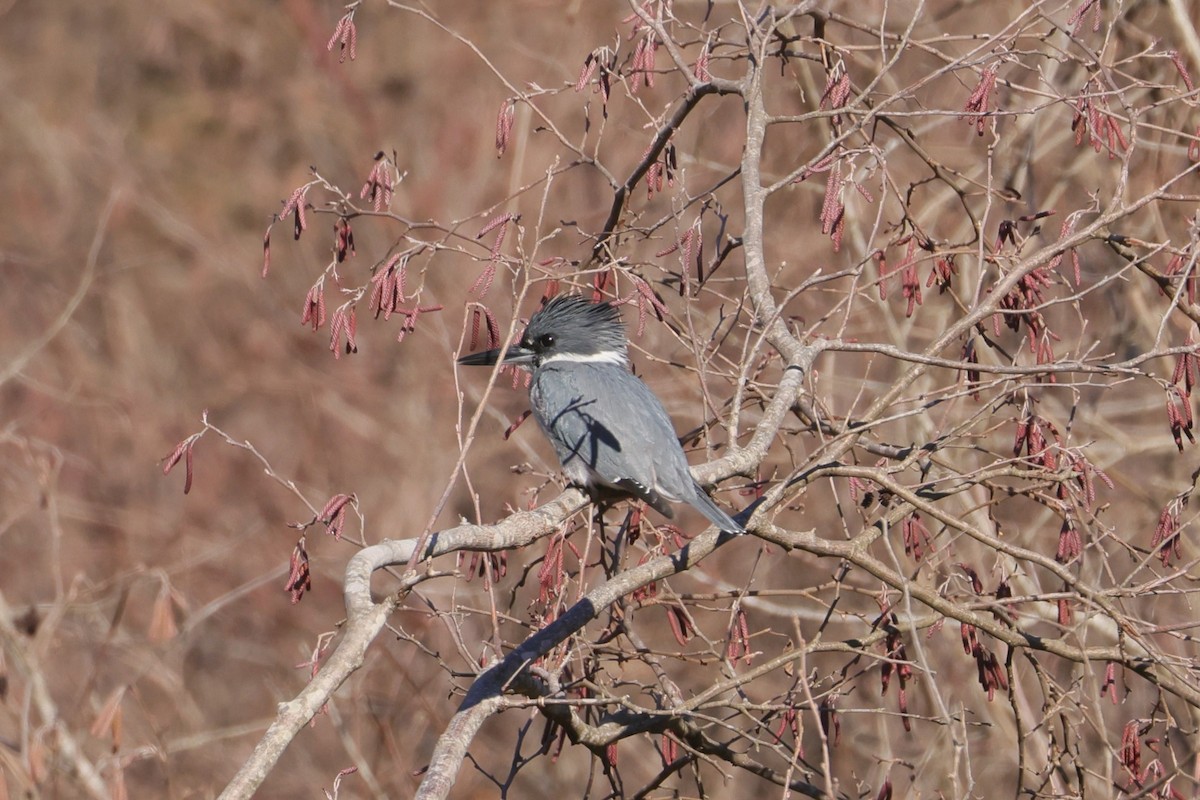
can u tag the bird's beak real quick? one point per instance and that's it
(514, 355)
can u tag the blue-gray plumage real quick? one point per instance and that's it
(610, 432)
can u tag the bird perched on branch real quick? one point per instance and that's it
(610, 432)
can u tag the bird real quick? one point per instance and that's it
(610, 432)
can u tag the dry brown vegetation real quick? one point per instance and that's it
(971, 571)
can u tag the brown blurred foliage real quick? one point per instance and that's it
(159, 140)
(144, 151)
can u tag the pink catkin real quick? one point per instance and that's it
(700, 71)
(589, 69)
(296, 205)
(1076, 20)
(504, 125)
(336, 327)
(976, 107)
(266, 252)
(1182, 69)
(833, 212)
(345, 33)
(379, 185)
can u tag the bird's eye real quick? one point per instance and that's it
(546, 340)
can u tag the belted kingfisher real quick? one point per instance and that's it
(611, 434)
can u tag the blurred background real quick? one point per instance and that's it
(144, 151)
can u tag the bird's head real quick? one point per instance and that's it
(568, 328)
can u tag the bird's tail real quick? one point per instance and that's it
(704, 504)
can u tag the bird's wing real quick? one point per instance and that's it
(715, 514)
(646, 495)
(606, 423)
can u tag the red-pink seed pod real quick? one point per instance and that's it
(494, 223)
(337, 33)
(1109, 686)
(299, 577)
(352, 331)
(266, 252)
(1064, 611)
(493, 329)
(335, 331)
(484, 281)
(585, 74)
(176, 455)
(1182, 69)
(504, 125)
(476, 318)
(700, 70)
(187, 465)
(334, 505)
(681, 626)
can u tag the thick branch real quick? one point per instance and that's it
(485, 695)
(366, 618)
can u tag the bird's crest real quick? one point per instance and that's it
(570, 328)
